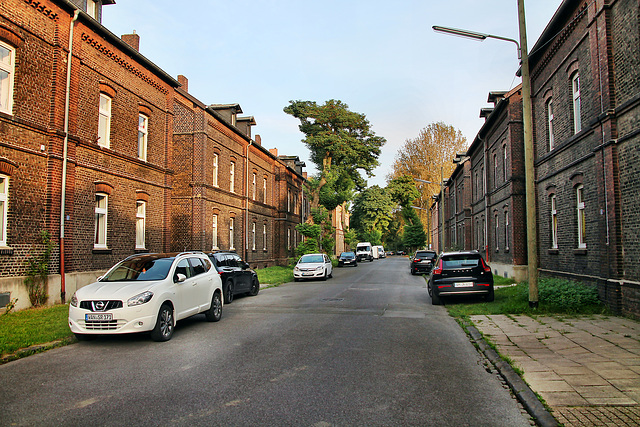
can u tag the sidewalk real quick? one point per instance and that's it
(587, 369)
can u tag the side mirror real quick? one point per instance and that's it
(245, 265)
(180, 278)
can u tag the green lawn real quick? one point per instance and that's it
(275, 275)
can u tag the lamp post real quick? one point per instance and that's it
(532, 240)
(441, 203)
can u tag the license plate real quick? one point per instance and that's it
(463, 285)
(307, 274)
(98, 316)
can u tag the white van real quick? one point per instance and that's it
(363, 251)
(381, 253)
(374, 252)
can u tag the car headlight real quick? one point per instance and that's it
(140, 299)
(74, 300)
(319, 268)
(296, 268)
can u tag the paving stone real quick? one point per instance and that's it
(585, 380)
(563, 398)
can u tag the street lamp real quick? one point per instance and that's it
(532, 240)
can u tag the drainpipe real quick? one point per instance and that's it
(64, 157)
(246, 200)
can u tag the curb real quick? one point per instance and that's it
(523, 392)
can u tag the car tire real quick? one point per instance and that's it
(490, 296)
(295, 279)
(435, 299)
(255, 287)
(413, 273)
(228, 292)
(163, 331)
(331, 275)
(214, 313)
(325, 276)
(85, 337)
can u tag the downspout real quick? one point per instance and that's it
(246, 213)
(64, 157)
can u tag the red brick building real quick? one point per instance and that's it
(105, 151)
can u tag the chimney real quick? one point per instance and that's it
(184, 82)
(132, 40)
(258, 140)
(274, 151)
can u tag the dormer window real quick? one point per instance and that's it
(92, 9)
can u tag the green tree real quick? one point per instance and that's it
(414, 236)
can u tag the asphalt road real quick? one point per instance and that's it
(364, 348)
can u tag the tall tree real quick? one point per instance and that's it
(342, 146)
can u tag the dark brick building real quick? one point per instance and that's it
(119, 159)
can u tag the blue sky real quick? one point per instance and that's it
(381, 58)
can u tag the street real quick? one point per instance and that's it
(364, 348)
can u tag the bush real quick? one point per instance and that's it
(564, 295)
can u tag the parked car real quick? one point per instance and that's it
(347, 258)
(147, 293)
(422, 261)
(400, 253)
(313, 266)
(460, 273)
(237, 277)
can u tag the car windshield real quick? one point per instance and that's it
(307, 259)
(348, 255)
(460, 261)
(364, 248)
(139, 269)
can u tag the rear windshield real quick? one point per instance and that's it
(425, 255)
(460, 261)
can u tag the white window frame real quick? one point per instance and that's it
(141, 223)
(215, 169)
(288, 200)
(264, 237)
(253, 236)
(504, 163)
(554, 222)
(575, 90)
(580, 208)
(101, 221)
(143, 131)
(506, 231)
(550, 124)
(495, 170)
(497, 232)
(214, 232)
(232, 177)
(253, 188)
(104, 130)
(264, 190)
(6, 84)
(92, 9)
(288, 238)
(231, 236)
(4, 208)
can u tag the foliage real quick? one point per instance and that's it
(342, 144)
(275, 275)
(414, 236)
(372, 210)
(38, 271)
(560, 297)
(318, 235)
(350, 238)
(10, 306)
(373, 236)
(24, 328)
(403, 190)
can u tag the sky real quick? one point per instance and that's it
(381, 58)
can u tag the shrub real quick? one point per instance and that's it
(564, 295)
(38, 272)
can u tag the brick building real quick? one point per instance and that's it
(586, 109)
(106, 164)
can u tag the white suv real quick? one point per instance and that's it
(147, 293)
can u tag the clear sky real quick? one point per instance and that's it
(380, 57)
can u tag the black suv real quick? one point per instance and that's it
(422, 261)
(237, 277)
(460, 273)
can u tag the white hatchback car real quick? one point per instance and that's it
(147, 293)
(313, 266)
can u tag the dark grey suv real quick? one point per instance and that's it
(460, 273)
(237, 277)
(423, 261)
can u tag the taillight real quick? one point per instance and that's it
(486, 268)
(438, 269)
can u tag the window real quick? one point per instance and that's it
(253, 188)
(264, 190)
(581, 216)
(554, 223)
(497, 233)
(264, 237)
(288, 238)
(495, 170)
(232, 178)
(253, 237)
(141, 217)
(231, 242)
(4, 201)
(506, 231)
(7, 68)
(100, 241)
(92, 9)
(143, 122)
(104, 121)
(214, 231)
(289, 200)
(577, 122)
(215, 170)
(550, 124)
(504, 162)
